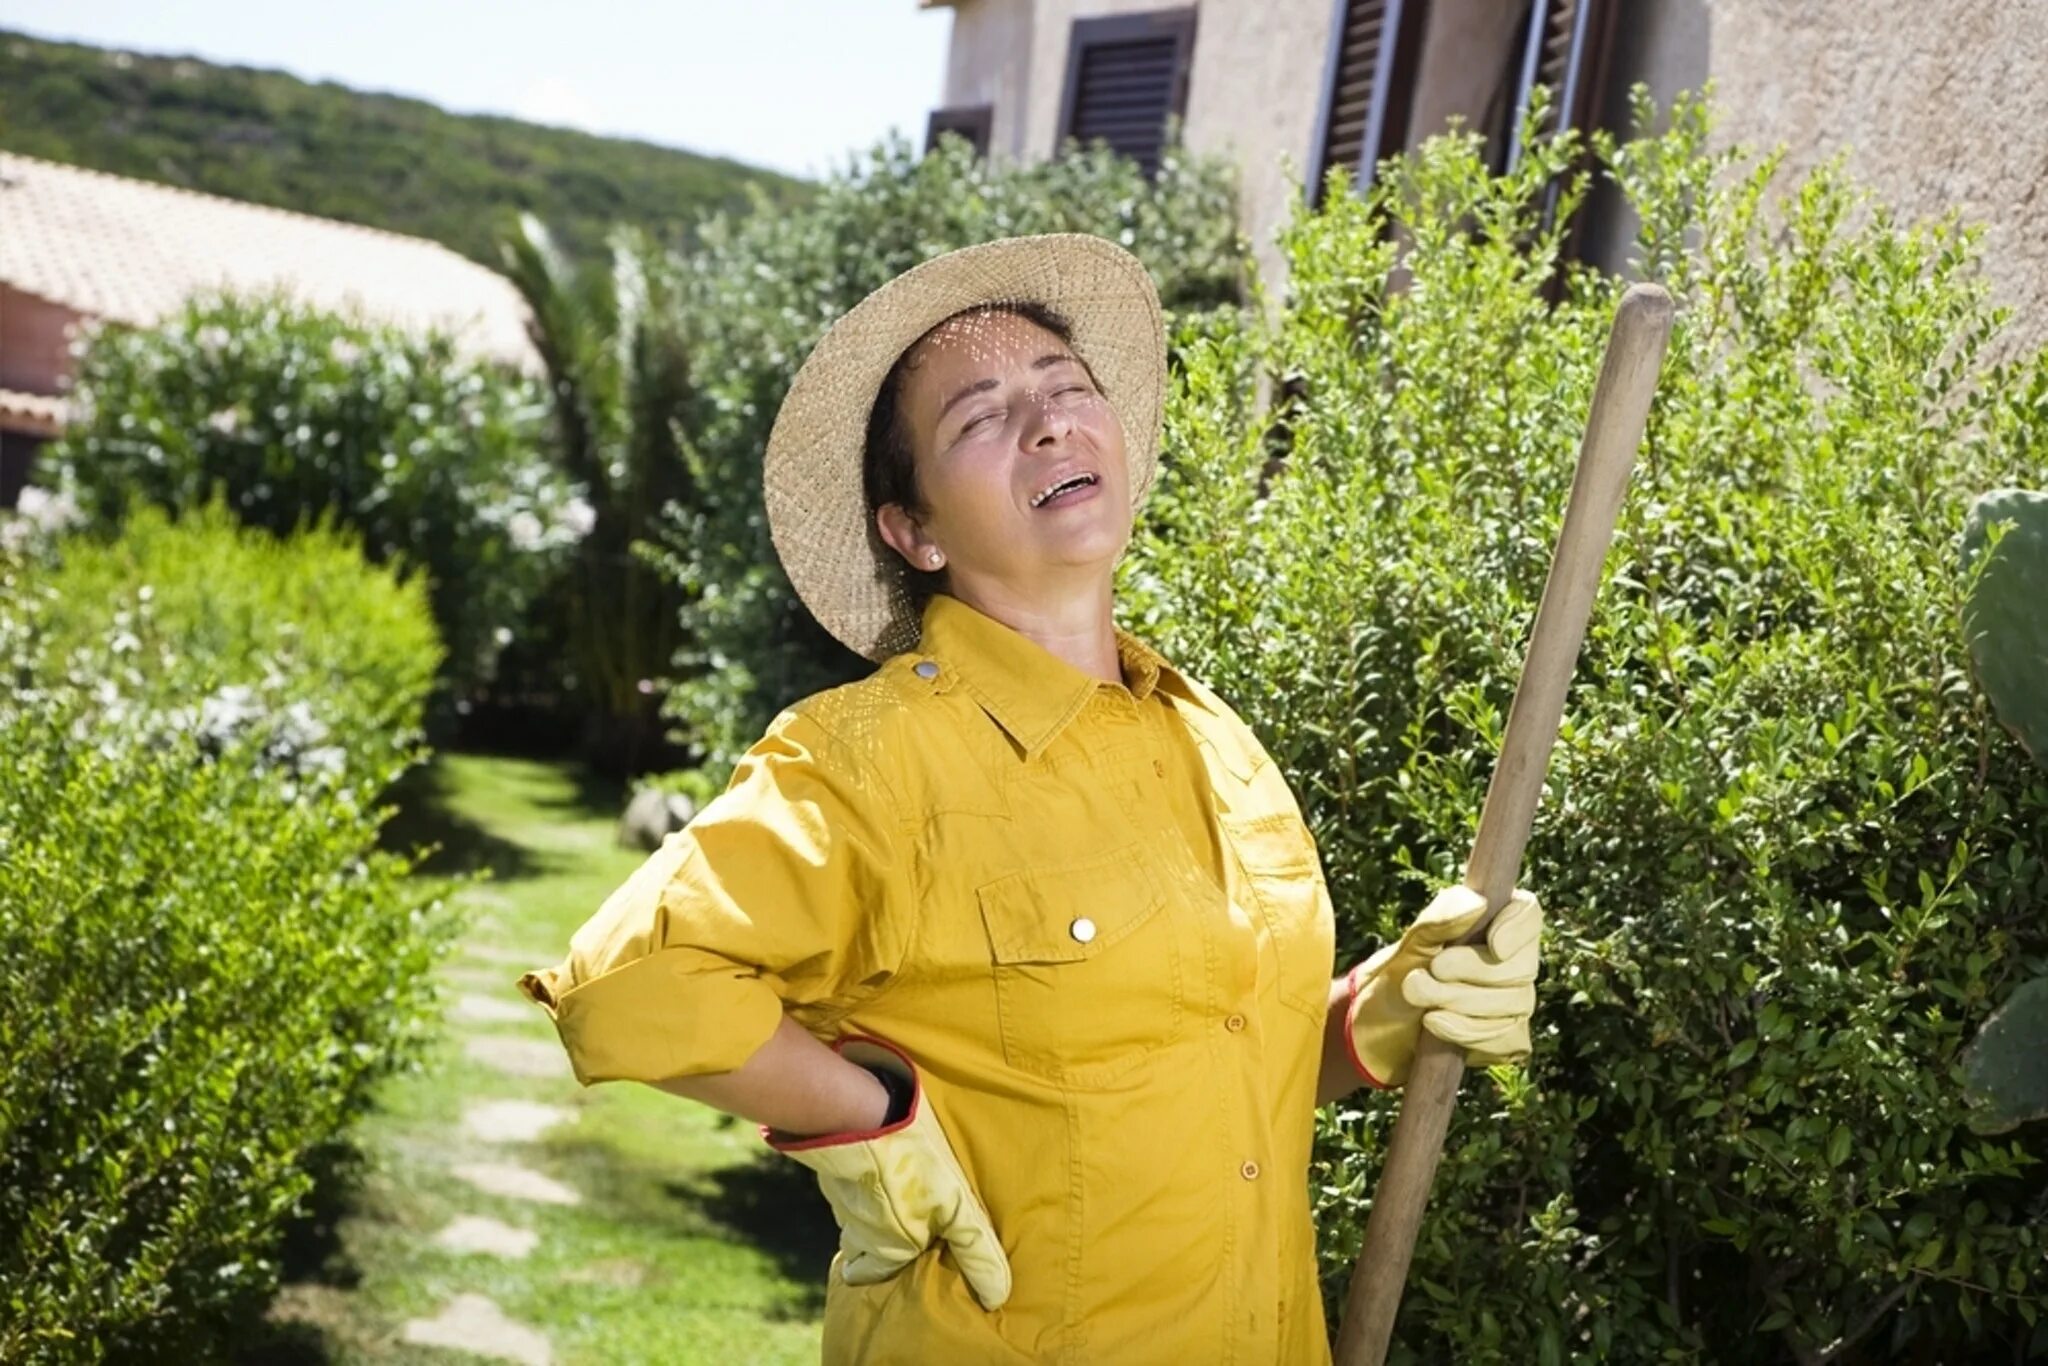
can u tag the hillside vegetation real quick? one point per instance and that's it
(381, 160)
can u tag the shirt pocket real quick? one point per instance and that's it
(1278, 856)
(1087, 967)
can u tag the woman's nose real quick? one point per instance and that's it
(1047, 420)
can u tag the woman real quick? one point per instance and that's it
(1020, 943)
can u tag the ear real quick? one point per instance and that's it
(905, 535)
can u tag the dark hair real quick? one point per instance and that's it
(888, 461)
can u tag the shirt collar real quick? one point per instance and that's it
(1031, 692)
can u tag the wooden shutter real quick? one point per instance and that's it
(970, 121)
(1568, 46)
(1125, 77)
(1368, 84)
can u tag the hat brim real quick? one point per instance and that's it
(853, 582)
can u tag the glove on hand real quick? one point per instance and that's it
(1479, 997)
(898, 1189)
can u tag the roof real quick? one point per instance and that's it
(36, 414)
(132, 251)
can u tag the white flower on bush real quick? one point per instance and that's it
(212, 338)
(292, 737)
(327, 759)
(579, 516)
(299, 729)
(50, 512)
(227, 713)
(344, 352)
(526, 531)
(38, 516)
(227, 421)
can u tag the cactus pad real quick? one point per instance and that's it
(2007, 1063)
(2006, 617)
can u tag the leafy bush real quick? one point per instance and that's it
(1792, 864)
(762, 290)
(434, 460)
(205, 962)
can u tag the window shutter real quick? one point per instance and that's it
(1125, 77)
(970, 121)
(1368, 83)
(1569, 42)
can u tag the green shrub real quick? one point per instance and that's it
(205, 962)
(1791, 863)
(434, 460)
(760, 292)
(619, 369)
(220, 632)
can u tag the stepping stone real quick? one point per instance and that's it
(484, 981)
(506, 1009)
(519, 1057)
(513, 1121)
(515, 1182)
(472, 1233)
(506, 956)
(475, 1324)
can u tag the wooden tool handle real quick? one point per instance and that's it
(1614, 428)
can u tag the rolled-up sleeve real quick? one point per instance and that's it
(784, 893)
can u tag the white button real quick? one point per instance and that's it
(924, 668)
(1083, 929)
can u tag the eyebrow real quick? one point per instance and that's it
(982, 386)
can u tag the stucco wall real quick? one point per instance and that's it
(1253, 86)
(1253, 95)
(1938, 105)
(989, 62)
(35, 352)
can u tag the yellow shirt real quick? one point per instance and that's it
(1092, 915)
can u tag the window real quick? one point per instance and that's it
(1567, 46)
(1125, 77)
(1368, 86)
(17, 460)
(970, 121)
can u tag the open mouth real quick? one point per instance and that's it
(1060, 490)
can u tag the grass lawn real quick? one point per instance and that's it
(691, 1242)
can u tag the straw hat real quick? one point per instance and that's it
(854, 584)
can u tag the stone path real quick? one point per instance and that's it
(474, 1324)
(512, 1121)
(470, 1323)
(519, 1057)
(473, 1009)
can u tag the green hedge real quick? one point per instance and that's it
(1791, 864)
(758, 294)
(435, 461)
(205, 962)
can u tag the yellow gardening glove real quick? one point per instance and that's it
(897, 1190)
(1479, 997)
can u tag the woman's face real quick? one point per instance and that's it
(1019, 457)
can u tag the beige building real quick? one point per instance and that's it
(79, 245)
(1940, 102)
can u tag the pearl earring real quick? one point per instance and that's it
(935, 559)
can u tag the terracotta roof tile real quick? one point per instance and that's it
(133, 251)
